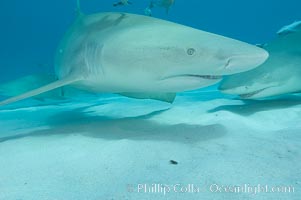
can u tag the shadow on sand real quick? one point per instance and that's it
(253, 106)
(79, 121)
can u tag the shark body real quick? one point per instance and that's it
(144, 57)
(291, 28)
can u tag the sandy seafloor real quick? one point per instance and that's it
(101, 148)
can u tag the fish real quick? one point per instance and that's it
(122, 3)
(158, 3)
(279, 75)
(143, 57)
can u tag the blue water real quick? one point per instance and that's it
(32, 29)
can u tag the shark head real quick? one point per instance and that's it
(275, 77)
(280, 74)
(175, 57)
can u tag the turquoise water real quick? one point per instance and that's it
(206, 145)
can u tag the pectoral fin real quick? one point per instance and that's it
(26, 83)
(40, 90)
(166, 97)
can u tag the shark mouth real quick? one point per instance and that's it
(251, 94)
(206, 77)
(209, 77)
(194, 78)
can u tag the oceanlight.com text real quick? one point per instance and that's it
(165, 189)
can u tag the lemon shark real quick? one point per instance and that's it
(280, 74)
(291, 28)
(143, 57)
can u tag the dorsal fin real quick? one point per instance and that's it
(46, 88)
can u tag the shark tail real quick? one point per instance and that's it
(40, 90)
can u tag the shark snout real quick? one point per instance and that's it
(242, 62)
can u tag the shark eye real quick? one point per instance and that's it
(190, 51)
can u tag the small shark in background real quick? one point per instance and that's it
(158, 3)
(122, 3)
(280, 74)
(128, 54)
(292, 28)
